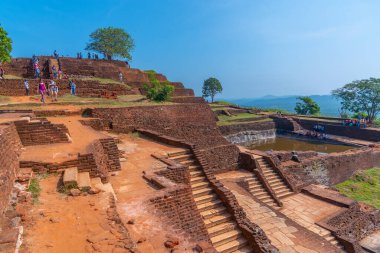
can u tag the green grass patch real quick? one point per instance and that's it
(12, 77)
(227, 123)
(237, 116)
(35, 189)
(363, 186)
(102, 80)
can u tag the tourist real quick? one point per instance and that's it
(56, 56)
(59, 74)
(73, 88)
(127, 64)
(88, 55)
(53, 86)
(37, 73)
(26, 85)
(120, 76)
(55, 73)
(2, 73)
(42, 90)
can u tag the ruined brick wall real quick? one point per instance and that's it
(190, 122)
(356, 222)
(186, 100)
(331, 169)
(10, 147)
(106, 156)
(186, 122)
(221, 158)
(177, 204)
(41, 132)
(15, 87)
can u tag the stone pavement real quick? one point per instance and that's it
(372, 242)
(306, 211)
(286, 237)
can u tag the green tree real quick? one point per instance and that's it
(111, 42)
(307, 106)
(5, 46)
(211, 87)
(360, 96)
(156, 90)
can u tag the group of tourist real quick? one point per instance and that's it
(51, 90)
(355, 123)
(318, 132)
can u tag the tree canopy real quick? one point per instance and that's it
(360, 96)
(111, 42)
(307, 106)
(211, 87)
(5, 46)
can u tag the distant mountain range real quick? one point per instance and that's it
(329, 105)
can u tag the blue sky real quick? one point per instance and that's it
(255, 48)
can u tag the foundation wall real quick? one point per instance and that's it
(10, 146)
(331, 169)
(41, 132)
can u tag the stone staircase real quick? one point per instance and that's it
(224, 233)
(257, 189)
(275, 181)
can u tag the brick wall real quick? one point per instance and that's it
(41, 132)
(10, 147)
(331, 169)
(186, 100)
(15, 87)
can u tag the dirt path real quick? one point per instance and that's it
(59, 223)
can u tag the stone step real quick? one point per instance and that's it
(282, 190)
(232, 246)
(279, 187)
(202, 192)
(260, 194)
(179, 153)
(84, 181)
(189, 162)
(269, 173)
(196, 173)
(217, 219)
(272, 177)
(284, 194)
(197, 179)
(205, 198)
(209, 205)
(221, 228)
(213, 212)
(185, 157)
(225, 238)
(329, 237)
(274, 180)
(279, 183)
(70, 177)
(194, 168)
(198, 186)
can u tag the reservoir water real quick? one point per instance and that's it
(291, 144)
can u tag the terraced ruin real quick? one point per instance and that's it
(110, 171)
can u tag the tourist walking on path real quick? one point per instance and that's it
(26, 85)
(59, 74)
(42, 90)
(120, 77)
(54, 90)
(73, 88)
(2, 73)
(37, 74)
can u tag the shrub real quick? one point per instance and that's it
(35, 189)
(159, 91)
